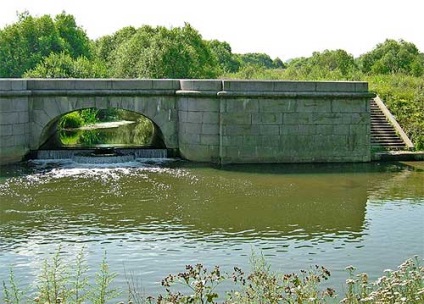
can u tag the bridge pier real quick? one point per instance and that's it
(218, 121)
(14, 120)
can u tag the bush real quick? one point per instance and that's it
(72, 120)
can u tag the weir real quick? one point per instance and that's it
(213, 121)
(101, 155)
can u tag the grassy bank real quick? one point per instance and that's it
(61, 281)
(404, 96)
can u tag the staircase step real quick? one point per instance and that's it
(383, 134)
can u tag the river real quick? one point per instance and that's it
(153, 218)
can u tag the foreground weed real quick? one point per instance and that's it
(198, 280)
(405, 285)
(102, 291)
(53, 280)
(61, 282)
(265, 286)
(12, 294)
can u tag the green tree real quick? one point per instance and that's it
(336, 64)
(393, 57)
(258, 59)
(105, 48)
(164, 53)
(278, 63)
(75, 40)
(228, 62)
(27, 42)
(64, 66)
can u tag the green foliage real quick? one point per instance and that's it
(106, 47)
(228, 62)
(260, 60)
(158, 53)
(89, 116)
(256, 72)
(71, 121)
(27, 42)
(266, 286)
(12, 294)
(334, 65)
(393, 57)
(78, 119)
(199, 281)
(61, 65)
(69, 138)
(53, 280)
(144, 131)
(140, 133)
(404, 96)
(260, 286)
(104, 278)
(75, 40)
(67, 282)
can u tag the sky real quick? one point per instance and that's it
(279, 28)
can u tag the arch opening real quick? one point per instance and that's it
(93, 128)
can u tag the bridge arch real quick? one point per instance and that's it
(50, 137)
(49, 105)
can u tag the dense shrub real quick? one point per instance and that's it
(71, 121)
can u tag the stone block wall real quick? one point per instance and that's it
(274, 122)
(199, 120)
(14, 120)
(295, 122)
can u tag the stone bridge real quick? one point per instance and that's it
(218, 121)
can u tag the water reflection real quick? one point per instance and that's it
(240, 202)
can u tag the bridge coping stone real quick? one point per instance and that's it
(13, 84)
(294, 86)
(201, 85)
(102, 84)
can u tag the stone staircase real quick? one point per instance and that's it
(386, 135)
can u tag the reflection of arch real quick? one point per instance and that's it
(47, 111)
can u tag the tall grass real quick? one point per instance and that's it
(68, 283)
(64, 282)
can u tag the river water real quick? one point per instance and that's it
(153, 218)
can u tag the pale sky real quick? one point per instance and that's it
(285, 28)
